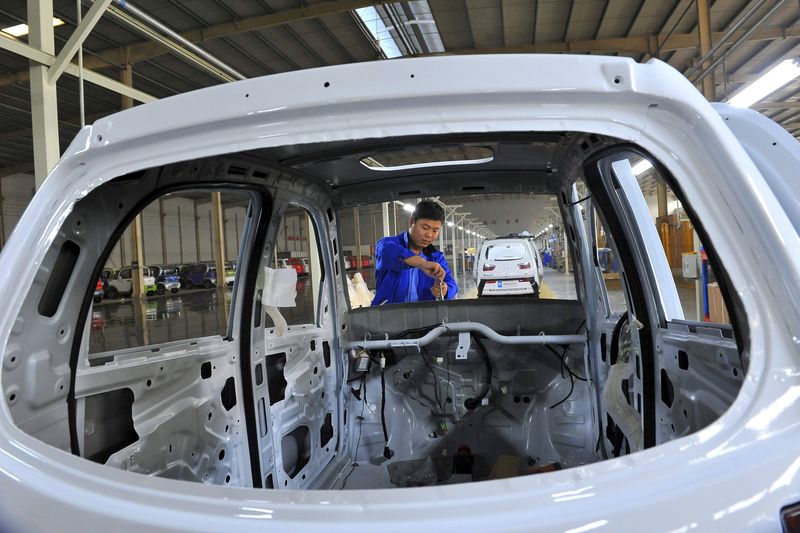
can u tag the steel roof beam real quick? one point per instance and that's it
(43, 58)
(76, 40)
(637, 44)
(776, 105)
(143, 51)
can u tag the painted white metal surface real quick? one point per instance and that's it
(733, 475)
(667, 291)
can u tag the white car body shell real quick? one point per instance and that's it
(735, 474)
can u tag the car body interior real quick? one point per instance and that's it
(391, 396)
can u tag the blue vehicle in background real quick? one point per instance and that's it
(167, 278)
(200, 275)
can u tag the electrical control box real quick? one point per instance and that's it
(691, 265)
(362, 363)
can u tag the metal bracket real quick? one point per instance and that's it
(464, 342)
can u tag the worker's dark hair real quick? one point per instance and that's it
(429, 210)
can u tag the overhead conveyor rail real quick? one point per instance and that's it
(463, 327)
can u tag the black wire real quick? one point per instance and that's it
(358, 441)
(423, 353)
(576, 202)
(572, 375)
(561, 361)
(383, 408)
(432, 409)
(447, 361)
(424, 329)
(472, 403)
(564, 365)
(571, 388)
(387, 452)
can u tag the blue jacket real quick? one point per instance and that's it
(393, 276)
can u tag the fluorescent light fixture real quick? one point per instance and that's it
(641, 167)
(550, 226)
(460, 228)
(767, 84)
(450, 224)
(408, 208)
(369, 162)
(22, 29)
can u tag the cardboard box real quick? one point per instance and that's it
(613, 281)
(716, 306)
(505, 466)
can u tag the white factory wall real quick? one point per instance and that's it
(16, 192)
(292, 239)
(370, 220)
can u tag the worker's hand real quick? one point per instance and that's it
(439, 290)
(432, 269)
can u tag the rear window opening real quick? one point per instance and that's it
(574, 335)
(506, 252)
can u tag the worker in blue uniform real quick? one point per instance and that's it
(408, 266)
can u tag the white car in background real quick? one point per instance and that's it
(121, 283)
(507, 267)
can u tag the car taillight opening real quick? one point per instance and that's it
(524, 266)
(488, 267)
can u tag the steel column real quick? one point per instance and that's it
(161, 218)
(453, 232)
(385, 212)
(219, 237)
(236, 230)
(180, 233)
(357, 230)
(704, 32)
(444, 235)
(196, 232)
(137, 273)
(44, 101)
(137, 245)
(374, 224)
(661, 193)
